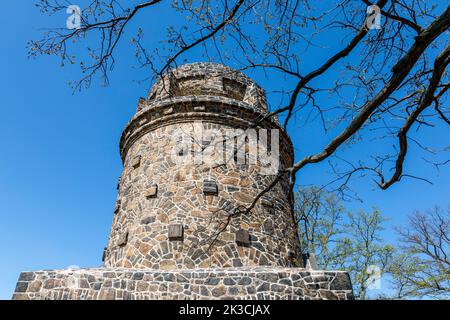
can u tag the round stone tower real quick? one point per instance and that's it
(191, 219)
(195, 158)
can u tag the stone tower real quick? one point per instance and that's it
(172, 201)
(195, 216)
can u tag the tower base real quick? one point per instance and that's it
(262, 283)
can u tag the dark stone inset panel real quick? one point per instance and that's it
(152, 192)
(176, 232)
(243, 237)
(210, 187)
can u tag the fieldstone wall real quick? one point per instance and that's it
(133, 284)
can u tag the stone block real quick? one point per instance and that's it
(117, 206)
(176, 232)
(123, 239)
(268, 226)
(168, 111)
(26, 276)
(136, 162)
(243, 237)
(268, 206)
(148, 220)
(152, 192)
(21, 286)
(210, 187)
(340, 281)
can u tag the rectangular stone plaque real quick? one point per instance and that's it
(136, 162)
(152, 192)
(210, 187)
(175, 232)
(123, 239)
(117, 206)
(242, 237)
(267, 206)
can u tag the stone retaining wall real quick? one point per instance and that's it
(230, 283)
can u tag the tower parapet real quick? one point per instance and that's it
(209, 79)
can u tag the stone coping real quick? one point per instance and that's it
(225, 101)
(190, 108)
(249, 283)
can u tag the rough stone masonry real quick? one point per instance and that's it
(180, 226)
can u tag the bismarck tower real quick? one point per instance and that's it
(197, 215)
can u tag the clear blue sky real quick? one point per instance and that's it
(60, 160)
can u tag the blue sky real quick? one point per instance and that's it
(60, 161)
